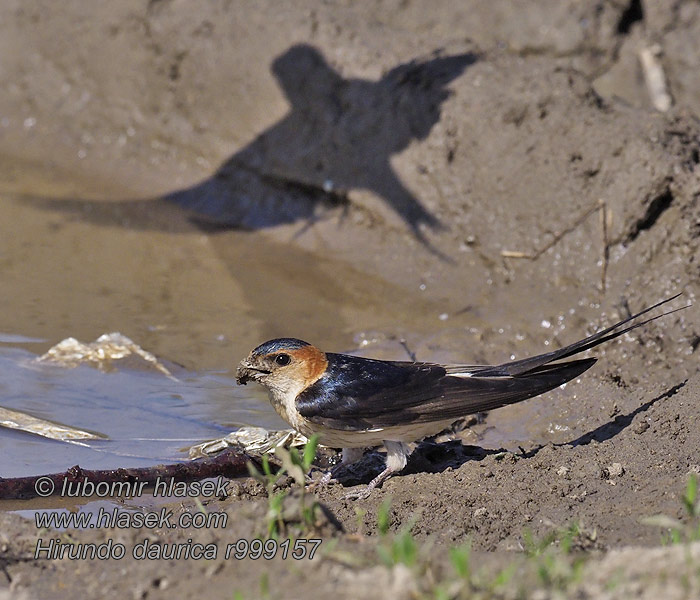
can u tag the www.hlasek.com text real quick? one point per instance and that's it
(122, 519)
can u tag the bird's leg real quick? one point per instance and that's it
(396, 459)
(350, 455)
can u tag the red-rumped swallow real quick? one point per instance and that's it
(354, 403)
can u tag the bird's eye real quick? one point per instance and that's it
(283, 359)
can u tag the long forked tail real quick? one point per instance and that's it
(470, 389)
(526, 365)
(492, 387)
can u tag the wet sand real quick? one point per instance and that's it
(354, 176)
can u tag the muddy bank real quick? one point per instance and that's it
(483, 182)
(607, 480)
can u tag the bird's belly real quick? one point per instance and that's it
(285, 406)
(338, 438)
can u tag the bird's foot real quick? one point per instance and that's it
(323, 481)
(360, 494)
(328, 478)
(366, 491)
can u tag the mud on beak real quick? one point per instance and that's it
(247, 372)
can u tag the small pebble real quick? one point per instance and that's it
(615, 470)
(641, 427)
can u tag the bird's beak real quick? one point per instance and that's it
(247, 371)
(242, 375)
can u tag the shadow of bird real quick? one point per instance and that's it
(338, 135)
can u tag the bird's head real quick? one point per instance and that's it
(283, 365)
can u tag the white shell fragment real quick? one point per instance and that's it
(13, 419)
(106, 349)
(655, 78)
(255, 440)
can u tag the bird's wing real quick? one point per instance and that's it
(423, 393)
(358, 394)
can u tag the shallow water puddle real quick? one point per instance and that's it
(145, 417)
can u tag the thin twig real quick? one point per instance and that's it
(557, 237)
(411, 353)
(230, 463)
(604, 215)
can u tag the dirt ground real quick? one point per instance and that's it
(484, 180)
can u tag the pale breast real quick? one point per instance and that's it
(284, 405)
